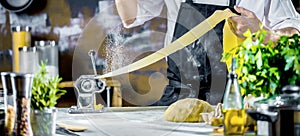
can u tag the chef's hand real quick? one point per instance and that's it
(127, 10)
(247, 20)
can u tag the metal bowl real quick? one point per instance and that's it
(16, 5)
(23, 6)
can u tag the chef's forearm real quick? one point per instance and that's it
(127, 10)
(275, 34)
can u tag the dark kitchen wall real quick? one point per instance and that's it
(59, 20)
(63, 21)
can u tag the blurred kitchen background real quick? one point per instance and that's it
(68, 21)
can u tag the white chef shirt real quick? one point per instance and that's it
(274, 14)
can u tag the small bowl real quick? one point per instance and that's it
(207, 116)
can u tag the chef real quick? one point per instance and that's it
(196, 71)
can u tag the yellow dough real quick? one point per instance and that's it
(187, 110)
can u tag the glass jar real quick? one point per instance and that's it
(48, 53)
(29, 60)
(20, 37)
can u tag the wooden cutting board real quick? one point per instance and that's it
(73, 128)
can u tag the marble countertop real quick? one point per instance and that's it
(129, 121)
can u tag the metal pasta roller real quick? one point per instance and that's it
(87, 86)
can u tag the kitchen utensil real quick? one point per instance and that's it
(87, 86)
(23, 6)
(22, 85)
(282, 112)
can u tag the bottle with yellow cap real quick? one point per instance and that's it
(232, 105)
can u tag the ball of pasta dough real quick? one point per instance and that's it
(187, 110)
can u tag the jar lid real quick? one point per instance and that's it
(291, 90)
(289, 99)
(21, 75)
(27, 49)
(45, 43)
(6, 82)
(21, 28)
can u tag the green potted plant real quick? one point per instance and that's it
(265, 68)
(45, 93)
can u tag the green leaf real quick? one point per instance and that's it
(259, 59)
(248, 43)
(226, 56)
(289, 62)
(252, 78)
(260, 83)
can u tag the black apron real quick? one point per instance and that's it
(196, 71)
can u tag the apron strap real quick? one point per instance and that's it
(189, 1)
(232, 3)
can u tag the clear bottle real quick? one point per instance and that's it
(232, 105)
